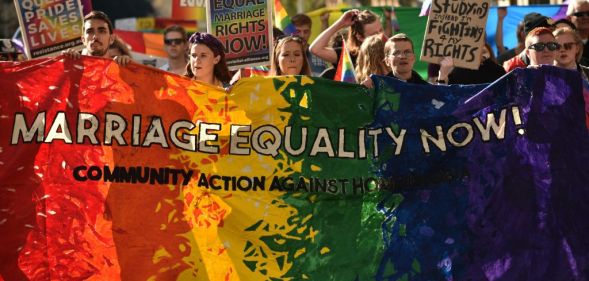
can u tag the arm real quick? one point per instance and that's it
(320, 47)
(501, 13)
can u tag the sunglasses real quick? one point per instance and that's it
(568, 46)
(176, 41)
(552, 46)
(581, 14)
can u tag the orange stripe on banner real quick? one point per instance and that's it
(154, 44)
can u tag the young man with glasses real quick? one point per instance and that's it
(400, 58)
(176, 46)
(578, 13)
(541, 46)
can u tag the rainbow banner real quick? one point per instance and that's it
(244, 28)
(111, 173)
(49, 27)
(345, 69)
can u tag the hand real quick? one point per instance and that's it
(501, 12)
(71, 54)
(348, 18)
(325, 17)
(122, 60)
(446, 67)
(367, 83)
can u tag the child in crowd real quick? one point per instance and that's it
(371, 58)
(571, 50)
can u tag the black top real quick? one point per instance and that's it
(505, 56)
(415, 78)
(585, 58)
(488, 72)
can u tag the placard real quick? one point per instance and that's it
(245, 30)
(456, 29)
(49, 26)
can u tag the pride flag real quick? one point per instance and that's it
(282, 19)
(345, 69)
(131, 173)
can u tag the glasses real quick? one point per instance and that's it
(291, 37)
(539, 47)
(406, 53)
(176, 41)
(581, 14)
(568, 46)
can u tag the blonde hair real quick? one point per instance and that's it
(573, 4)
(371, 58)
(576, 36)
(274, 65)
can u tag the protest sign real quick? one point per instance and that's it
(245, 30)
(456, 29)
(118, 173)
(49, 26)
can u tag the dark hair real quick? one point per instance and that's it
(220, 72)
(353, 43)
(176, 28)
(301, 19)
(98, 15)
(274, 66)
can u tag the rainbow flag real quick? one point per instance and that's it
(286, 178)
(282, 20)
(345, 68)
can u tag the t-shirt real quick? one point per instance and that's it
(316, 64)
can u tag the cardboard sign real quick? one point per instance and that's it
(456, 29)
(49, 26)
(245, 30)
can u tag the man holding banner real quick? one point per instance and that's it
(97, 38)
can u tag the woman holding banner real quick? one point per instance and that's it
(290, 57)
(207, 60)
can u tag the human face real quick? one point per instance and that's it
(545, 56)
(202, 62)
(566, 56)
(175, 44)
(304, 31)
(400, 57)
(372, 29)
(97, 37)
(290, 58)
(581, 21)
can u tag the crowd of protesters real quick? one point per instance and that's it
(373, 49)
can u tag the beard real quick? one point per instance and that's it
(98, 52)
